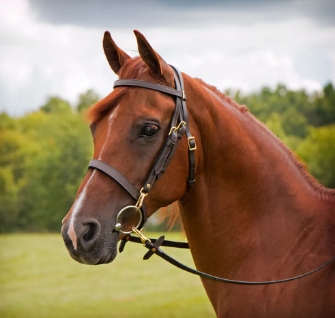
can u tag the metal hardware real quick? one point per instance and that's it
(118, 224)
(140, 235)
(182, 123)
(189, 139)
(117, 227)
(183, 95)
(136, 208)
(139, 202)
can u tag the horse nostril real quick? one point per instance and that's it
(90, 232)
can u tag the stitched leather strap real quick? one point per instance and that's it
(167, 243)
(116, 175)
(164, 158)
(154, 248)
(190, 139)
(149, 85)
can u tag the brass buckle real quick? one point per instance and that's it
(177, 128)
(189, 139)
(139, 202)
(140, 235)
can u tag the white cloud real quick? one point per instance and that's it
(38, 59)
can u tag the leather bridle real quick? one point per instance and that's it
(178, 127)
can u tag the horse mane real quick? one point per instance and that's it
(291, 155)
(222, 96)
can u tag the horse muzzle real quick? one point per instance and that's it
(89, 243)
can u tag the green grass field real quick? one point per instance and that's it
(39, 279)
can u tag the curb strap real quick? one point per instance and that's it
(154, 248)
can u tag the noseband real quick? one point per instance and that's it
(178, 127)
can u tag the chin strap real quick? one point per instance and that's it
(153, 245)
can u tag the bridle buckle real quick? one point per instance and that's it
(182, 123)
(140, 235)
(139, 202)
(190, 147)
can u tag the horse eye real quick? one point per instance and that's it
(149, 130)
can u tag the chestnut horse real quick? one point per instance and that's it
(253, 213)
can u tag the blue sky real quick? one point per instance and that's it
(54, 47)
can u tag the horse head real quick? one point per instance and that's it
(129, 128)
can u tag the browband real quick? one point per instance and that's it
(149, 85)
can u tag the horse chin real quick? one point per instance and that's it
(107, 257)
(95, 259)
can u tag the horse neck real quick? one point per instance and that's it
(251, 198)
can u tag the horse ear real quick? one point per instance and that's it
(115, 56)
(148, 55)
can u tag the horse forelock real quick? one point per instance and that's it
(101, 108)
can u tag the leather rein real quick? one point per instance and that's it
(178, 127)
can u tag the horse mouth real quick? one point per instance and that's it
(94, 258)
(104, 250)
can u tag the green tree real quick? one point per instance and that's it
(8, 197)
(294, 123)
(6, 122)
(57, 170)
(323, 111)
(318, 151)
(274, 123)
(15, 154)
(86, 100)
(56, 105)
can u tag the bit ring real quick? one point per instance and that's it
(118, 223)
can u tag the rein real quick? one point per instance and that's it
(178, 127)
(153, 245)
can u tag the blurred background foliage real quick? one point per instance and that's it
(44, 154)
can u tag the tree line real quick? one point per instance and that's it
(44, 154)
